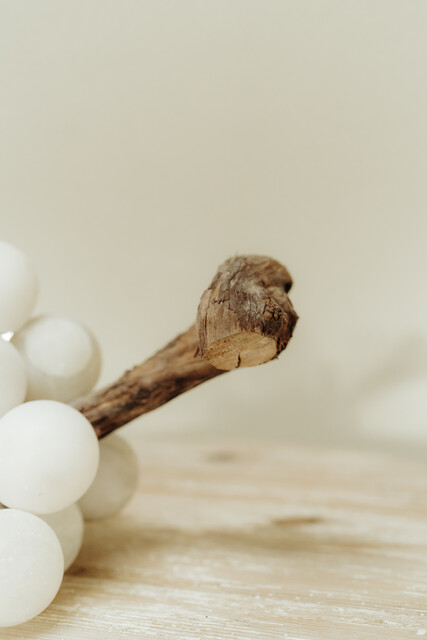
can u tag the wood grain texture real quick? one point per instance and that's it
(252, 541)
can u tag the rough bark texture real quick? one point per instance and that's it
(167, 374)
(244, 318)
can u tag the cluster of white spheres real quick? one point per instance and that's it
(53, 470)
(50, 356)
(62, 359)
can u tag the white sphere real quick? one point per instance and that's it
(69, 528)
(31, 566)
(49, 456)
(115, 481)
(62, 358)
(18, 288)
(13, 381)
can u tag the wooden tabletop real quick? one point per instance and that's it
(235, 540)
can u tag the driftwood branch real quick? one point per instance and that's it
(244, 318)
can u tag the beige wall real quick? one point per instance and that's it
(144, 142)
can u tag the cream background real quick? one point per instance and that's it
(142, 143)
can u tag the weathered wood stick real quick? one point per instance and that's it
(244, 318)
(165, 375)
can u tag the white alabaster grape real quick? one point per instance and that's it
(69, 528)
(62, 358)
(18, 288)
(49, 456)
(31, 566)
(115, 480)
(13, 382)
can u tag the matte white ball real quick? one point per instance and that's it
(18, 288)
(68, 525)
(13, 381)
(49, 456)
(31, 566)
(115, 481)
(62, 358)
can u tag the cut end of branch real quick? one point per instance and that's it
(243, 349)
(245, 317)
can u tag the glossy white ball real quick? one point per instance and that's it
(31, 566)
(115, 481)
(13, 381)
(62, 358)
(49, 456)
(18, 288)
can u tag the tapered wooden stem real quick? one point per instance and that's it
(244, 318)
(147, 386)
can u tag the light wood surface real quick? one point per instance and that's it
(235, 540)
